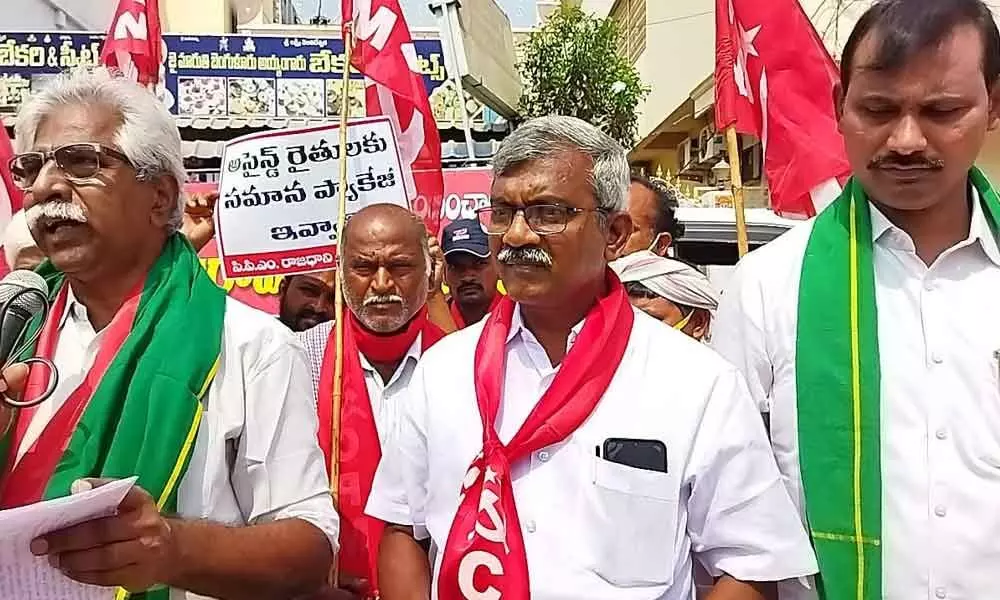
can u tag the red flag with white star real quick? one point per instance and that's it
(774, 79)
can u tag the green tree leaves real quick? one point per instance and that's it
(572, 66)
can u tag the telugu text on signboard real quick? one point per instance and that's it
(280, 193)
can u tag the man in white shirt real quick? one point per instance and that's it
(386, 270)
(160, 375)
(615, 481)
(871, 333)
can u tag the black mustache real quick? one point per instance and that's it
(900, 161)
(469, 284)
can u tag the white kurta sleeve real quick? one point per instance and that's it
(278, 470)
(399, 490)
(738, 331)
(741, 520)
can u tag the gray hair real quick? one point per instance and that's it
(147, 135)
(542, 137)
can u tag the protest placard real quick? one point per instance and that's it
(280, 194)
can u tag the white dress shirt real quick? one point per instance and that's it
(593, 528)
(386, 398)
(939, 331)
(256, 458)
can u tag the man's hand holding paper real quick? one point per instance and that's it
(132, 549)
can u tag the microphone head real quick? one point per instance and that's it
(15, 284)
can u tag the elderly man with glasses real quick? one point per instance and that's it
(540, 450)
(161, 376)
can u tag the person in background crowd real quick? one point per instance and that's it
(589, 478)
(469, 272)
(669, 290)
(438, 311)
(198, 225)
(19, 247)
(143, 340)
(871, 332)
(305, 301)
(386, 270)
(652, 206)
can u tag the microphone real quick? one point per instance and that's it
(23, 295)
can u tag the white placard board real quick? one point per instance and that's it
(279, 194)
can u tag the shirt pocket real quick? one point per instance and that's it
(629, 517)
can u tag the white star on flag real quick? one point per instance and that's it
(491, 475)
(746, 50)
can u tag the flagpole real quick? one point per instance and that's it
(736, 181)
(338, 368)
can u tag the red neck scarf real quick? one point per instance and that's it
(26, 479)
(360, 451)
(456, 314)
(484, 556)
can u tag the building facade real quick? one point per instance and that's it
(672, 45)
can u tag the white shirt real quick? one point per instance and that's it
(386, 398)
(245, 468)
(938, 329)
(593, 528)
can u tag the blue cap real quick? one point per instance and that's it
(465, 235)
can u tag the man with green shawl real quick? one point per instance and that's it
(161, 376)
(871, 333)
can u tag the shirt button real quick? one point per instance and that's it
(543, 456)
(940, 510)
(530, 526)
(941, 592)
(941, 434)
(936, 358)
(929, 286)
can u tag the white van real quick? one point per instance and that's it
(709, 239)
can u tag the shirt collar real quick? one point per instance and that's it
(979, 228)
(517, 326)
(73, 309)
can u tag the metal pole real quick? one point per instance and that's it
(449, 7)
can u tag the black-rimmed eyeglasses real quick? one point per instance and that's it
(543, 219)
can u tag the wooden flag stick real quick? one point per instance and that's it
(338, 369)
(736, 181)
(338, 363)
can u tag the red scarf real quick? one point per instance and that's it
(484, 555)
(26, 479)
(360, 451)
(456, 314)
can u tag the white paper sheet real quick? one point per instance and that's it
(28, 577)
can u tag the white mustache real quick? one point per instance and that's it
(54, 211)
(386, 299)
(510, 255)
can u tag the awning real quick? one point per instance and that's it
(297, 123)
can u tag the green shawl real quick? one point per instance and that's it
(144, 415)
(837, 390)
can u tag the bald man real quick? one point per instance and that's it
(386, 269)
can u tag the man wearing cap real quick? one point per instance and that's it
(469, 272)
(669, 290)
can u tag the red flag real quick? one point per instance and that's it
(774, 79)
(134, 44)
(384, 52)
(10, 195)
